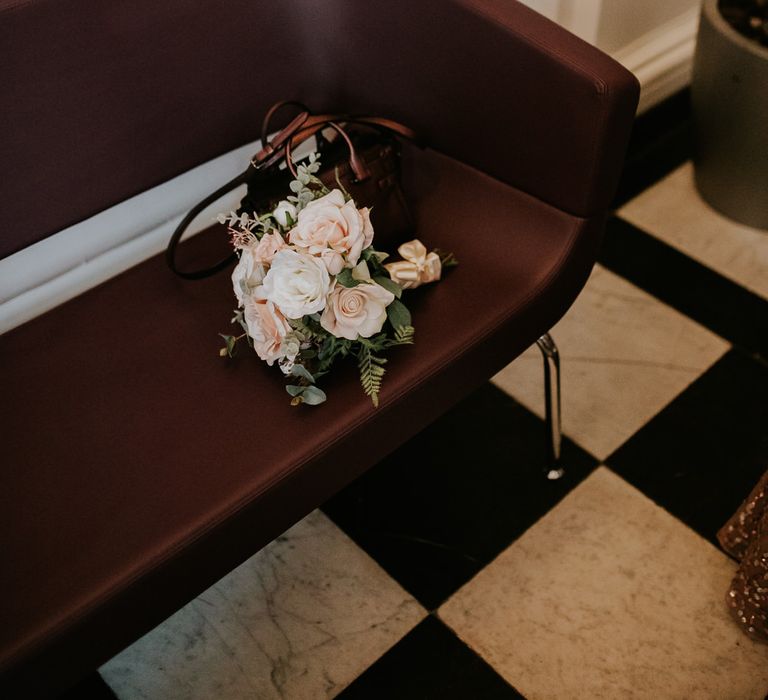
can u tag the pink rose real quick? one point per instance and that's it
(267, 328)
(353, 311)
(267, 247)
(333, 229)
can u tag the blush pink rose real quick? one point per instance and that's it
(353, 311)
(267, 327)
(269, 245)
(334, 230)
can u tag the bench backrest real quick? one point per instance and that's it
(102, 100)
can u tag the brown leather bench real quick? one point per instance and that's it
(137, 466)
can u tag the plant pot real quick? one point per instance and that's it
(729, 93)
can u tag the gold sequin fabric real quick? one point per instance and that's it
(745, 538)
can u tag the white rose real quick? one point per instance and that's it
(353, 311)
(296, 283)
(247, 275)
(283, 210)
(333, 229)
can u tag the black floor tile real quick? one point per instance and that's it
(430, 663)
(661, 140)
(92, 687)
(699, 292)
(701, 456)
(445, 504)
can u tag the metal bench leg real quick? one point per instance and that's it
(554, 435)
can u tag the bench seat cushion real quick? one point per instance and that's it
(139, 466)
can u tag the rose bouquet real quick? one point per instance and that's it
(312, 289)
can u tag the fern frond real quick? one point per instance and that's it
(371, 373)
(404, 335)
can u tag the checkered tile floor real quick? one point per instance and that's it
(454, 569)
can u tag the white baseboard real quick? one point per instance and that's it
(662, 59)
(58, 268)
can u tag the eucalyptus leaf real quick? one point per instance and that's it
(301, 371)
(313, 396)
(294, 390)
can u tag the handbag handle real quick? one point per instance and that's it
(300, 128)
(271, 112)
(358, 166)
(170, 251)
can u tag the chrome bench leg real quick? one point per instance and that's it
(554, 435)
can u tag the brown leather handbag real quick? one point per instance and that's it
(364, 157)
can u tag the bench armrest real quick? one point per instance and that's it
(493, 84)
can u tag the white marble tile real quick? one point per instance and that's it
(624, 355)
(301, 619)
(609, 596)
(673, 211)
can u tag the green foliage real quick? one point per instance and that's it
(371, 372)
(307, 186)
(301, 371)
(230, 343)
(331, 348)
(446, 259)
(313, 395)
(404, 335)
(375, 261)
(389, 285)
(310, 395)
(398, 314)
(345, 279)
(308, 328)
(305, 391)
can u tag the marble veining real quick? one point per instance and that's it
(624, 355)
(673, 211)
(609, 596)
(300, 619)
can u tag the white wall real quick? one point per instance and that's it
(622, 22)
(655, 39)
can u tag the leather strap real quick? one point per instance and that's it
(271, 112)
(356, 164)
(170, 251)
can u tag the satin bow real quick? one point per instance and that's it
(418, 266)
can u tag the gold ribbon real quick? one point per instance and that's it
(418, 266)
